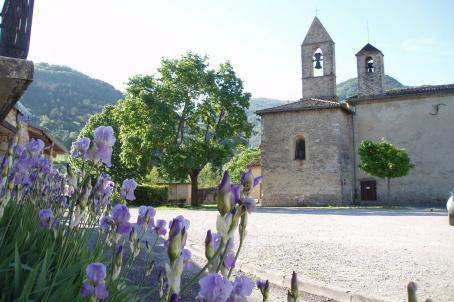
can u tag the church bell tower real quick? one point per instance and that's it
(318, 63)
(371, 71)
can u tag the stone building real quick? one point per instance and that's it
(309, 147)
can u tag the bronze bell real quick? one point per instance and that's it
(317, 60)
(370, 66)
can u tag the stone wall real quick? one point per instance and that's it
(407, 122)
(317, 180)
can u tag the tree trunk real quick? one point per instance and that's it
(194, 187)
(388, 191)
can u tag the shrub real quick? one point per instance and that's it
(151, 195)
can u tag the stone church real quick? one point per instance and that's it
(309, 147)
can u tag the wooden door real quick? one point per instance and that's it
(368, 190)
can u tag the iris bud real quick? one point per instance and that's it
(209, 246)
(411, 290)
(294, 286)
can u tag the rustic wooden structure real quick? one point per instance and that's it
(15, 28)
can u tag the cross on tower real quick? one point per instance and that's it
(316, 11)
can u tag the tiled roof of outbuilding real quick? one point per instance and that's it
(307, 104)
(420, 90)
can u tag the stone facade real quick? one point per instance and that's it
(409, 122)
(324, 177)
(417, 119)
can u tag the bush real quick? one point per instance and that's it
(151, 195)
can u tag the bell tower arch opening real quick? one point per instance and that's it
(318, 63)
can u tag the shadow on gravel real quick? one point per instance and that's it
(357, 211)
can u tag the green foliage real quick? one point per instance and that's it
(210, 176)
(61, 99)
(151, 195)
(38, 264)
(239, 161)
(383, 160)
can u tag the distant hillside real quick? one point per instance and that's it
(350, 87)
(61, 99)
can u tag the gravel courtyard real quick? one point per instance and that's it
(370, 251)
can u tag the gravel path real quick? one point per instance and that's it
(371, 251)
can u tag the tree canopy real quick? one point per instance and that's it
(185, 116)
(382, 159)
(239, 161)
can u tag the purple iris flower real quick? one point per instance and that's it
(107, 223)
(104, 139)
(120, 215)
(214, 288)
(35, 146)
(46, 218)
(229, 260)
(43, 165)
(64, 201)
(248, 181)
(146, 216)
(127, 189)
(235, 189)
(160, 227)
(186, 254)
(174, 298)
(263, 285)
(83, 145)
(94, 284)
(249, 203)
(242, 288)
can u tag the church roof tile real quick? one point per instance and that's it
(411, 91)
(307, 104)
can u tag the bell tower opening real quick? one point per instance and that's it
(370, 65)
(318, 63)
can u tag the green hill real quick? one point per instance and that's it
(61, 99)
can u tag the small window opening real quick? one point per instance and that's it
(370, 64)
(318, 63)
(300, 149)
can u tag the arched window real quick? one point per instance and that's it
(300, 148)
(370, 64)
(318, 63)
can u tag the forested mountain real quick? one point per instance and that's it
(61, 99)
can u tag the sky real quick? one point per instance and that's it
(113, 40)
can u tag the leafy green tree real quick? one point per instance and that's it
(239, 161)
(382, 159)
(185, 117)
(197, 115)
(210, 176)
